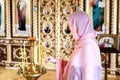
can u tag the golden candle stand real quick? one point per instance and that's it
(31, 71)
(32, 43)
(35, 76)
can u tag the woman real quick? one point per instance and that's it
(85, 61)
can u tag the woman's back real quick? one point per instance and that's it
(85, 61)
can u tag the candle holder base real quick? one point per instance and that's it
(31, 74)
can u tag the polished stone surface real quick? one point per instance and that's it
(11, 74)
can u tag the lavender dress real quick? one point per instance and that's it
(85, 61)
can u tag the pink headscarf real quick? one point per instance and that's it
(81, 27)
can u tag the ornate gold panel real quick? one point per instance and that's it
(53, 26)
(67, 7)
(17, 55)
(118, 63)
(35, 18)
(8, 18)
(107, 16)
(47, 24)
(3, 52)
(113, 16)
(118, 16)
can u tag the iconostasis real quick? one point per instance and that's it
(46, 20)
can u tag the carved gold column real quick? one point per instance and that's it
(35, 18)
(118, 58)
(81, 4)
(8, 29)
(113, 16)
(58, 29)
(107, 15)
(113, 30)
(88, 9)
(118, 64)
(67, 7)
(119, 17)
(35, 21)
(8, 18)
(39, 29)
(47, 26)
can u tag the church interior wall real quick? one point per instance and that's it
(46, 20)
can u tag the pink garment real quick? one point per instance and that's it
(85, 61)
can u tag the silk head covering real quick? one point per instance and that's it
(81, 27)
(84, 62)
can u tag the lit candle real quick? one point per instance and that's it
(35, 54)
(22, 65)
(40, 54)
(24, 50)
(45, 56)
(21, 54)
(25, 55)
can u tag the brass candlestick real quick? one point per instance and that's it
(32, 43)
(31, 71)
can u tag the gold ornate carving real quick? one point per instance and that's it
(67, 10)
(81, 4)
(67, 7)
(47, 11)
(119, 17)
(107, 16)
(35, 18)
(113, 30)
(3, 51)
(8, 19)
(118, 60)
(47, 25)
(113, 17)
(17, 55)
